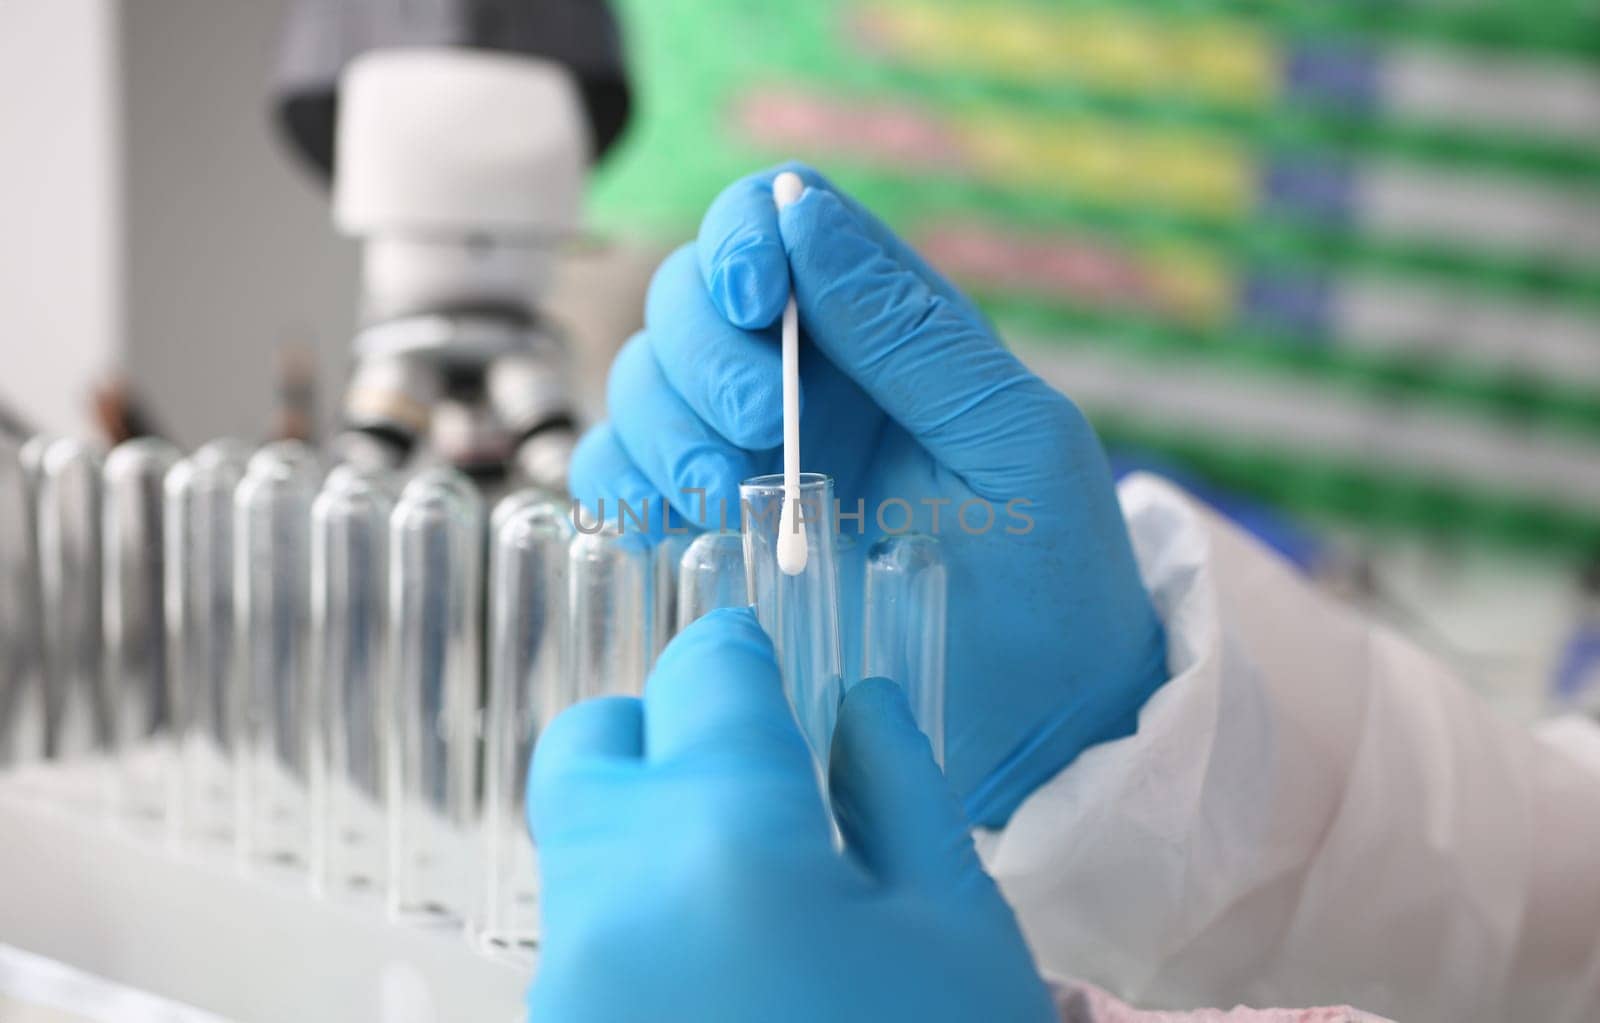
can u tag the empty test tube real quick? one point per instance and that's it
(800, 612)
(272, 592)
(435, 556)
(21, 656)
(79, 719)
(349, 609)
(904, 633)
(204, 680)
(851, 556)
(666, 558)
(711, 575)
(529, 684)
(609, 582)
(132, 607)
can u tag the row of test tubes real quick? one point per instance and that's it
(340, 677)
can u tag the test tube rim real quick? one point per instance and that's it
(773, 481)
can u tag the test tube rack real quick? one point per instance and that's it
(237, 679)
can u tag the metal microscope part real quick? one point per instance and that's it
(387, 409)
(531, 394)
(544, 458)
(486, 393)
(466, 434)
(530, 390)
(478, 335)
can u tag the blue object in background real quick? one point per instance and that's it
(1577, 678)
(1286, 302)
(1299, 545)
(1318, 189)
(1336, 75)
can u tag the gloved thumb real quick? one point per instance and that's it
(900, 818)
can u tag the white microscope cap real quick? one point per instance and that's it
(449, 141)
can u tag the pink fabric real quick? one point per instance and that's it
(1085, 1003)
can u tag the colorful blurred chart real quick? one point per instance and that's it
(1344, 257)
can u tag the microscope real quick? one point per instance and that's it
(457, 136)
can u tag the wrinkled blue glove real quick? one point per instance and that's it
(689, 871)
(1054, 644)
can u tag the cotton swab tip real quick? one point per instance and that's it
(791, 539)
(786, 188)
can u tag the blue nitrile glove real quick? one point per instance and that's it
(689, 873)
(907, 395)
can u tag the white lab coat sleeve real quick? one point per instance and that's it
(1312, 811)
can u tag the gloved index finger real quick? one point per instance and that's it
(716, 689)
(743, 261)
(683, 456)
(729, 375)
(930, 364)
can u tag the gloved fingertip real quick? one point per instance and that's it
(875, 728)
(817, 210)
(722, 626)
(874, 709)
(750, 285)
(741, 619)
(896, 810)
(809, 174)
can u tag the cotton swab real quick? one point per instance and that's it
(786, 188)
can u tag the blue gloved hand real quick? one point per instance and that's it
(689, 872)
(907, 395)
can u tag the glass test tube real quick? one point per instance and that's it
(133, 612)
(851, 556)
(201, 642)
(609, 582)
(79, 721)
(349, 609)
(904, 634)
(21, 656)
(711, 575)
(529, 684)
(272, 593)
(666, 558)
(800, 612)
(435, 557)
